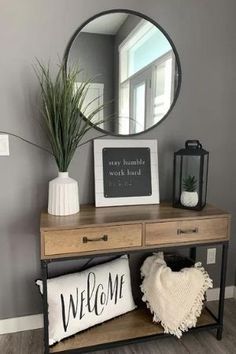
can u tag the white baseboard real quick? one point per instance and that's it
(19, 324)
(213, 294)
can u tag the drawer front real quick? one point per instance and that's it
(92, 239)
(186, 231)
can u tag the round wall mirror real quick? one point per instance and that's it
(134, 67)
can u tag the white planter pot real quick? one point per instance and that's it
(189, 199)
(63, 196)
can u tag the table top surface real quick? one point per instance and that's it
(89, 215)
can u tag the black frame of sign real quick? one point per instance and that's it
(125, 177)
(178, 76)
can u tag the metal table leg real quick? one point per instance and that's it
(193, 253)
(222, 290)
(44, 268)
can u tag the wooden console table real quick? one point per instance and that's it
(117, 230)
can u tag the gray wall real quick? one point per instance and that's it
(204, 35)
(129, 24)
(94, 53)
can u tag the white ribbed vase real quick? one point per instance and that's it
(63, 196)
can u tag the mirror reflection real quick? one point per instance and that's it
(134, 70)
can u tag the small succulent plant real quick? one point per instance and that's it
(190, 183)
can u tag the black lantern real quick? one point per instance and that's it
(190, 176)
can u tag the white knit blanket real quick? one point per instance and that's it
(174, 298)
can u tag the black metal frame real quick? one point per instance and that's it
(136, 13)
(219, 318)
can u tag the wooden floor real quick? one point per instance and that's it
(31, 342)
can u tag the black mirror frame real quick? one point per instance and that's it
(177, 77)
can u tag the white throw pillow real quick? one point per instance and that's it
(81, 300)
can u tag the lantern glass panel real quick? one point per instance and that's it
(204, 178)
(177, 181)
(190, 167)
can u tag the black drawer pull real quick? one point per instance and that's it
(187, 231)
(103, 238)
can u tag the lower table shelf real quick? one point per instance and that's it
(133, 325)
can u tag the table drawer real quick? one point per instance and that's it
(92, 239)
(186, 231)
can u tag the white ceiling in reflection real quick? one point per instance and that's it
(106, 24)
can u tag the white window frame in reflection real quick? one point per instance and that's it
(96, 89)
(154, 107)
(135, 39)
(161, 103)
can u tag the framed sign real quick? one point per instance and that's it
(126, 172)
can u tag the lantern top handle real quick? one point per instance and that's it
(193, 144)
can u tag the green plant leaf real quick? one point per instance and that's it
(63, 110)
(190, 183)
